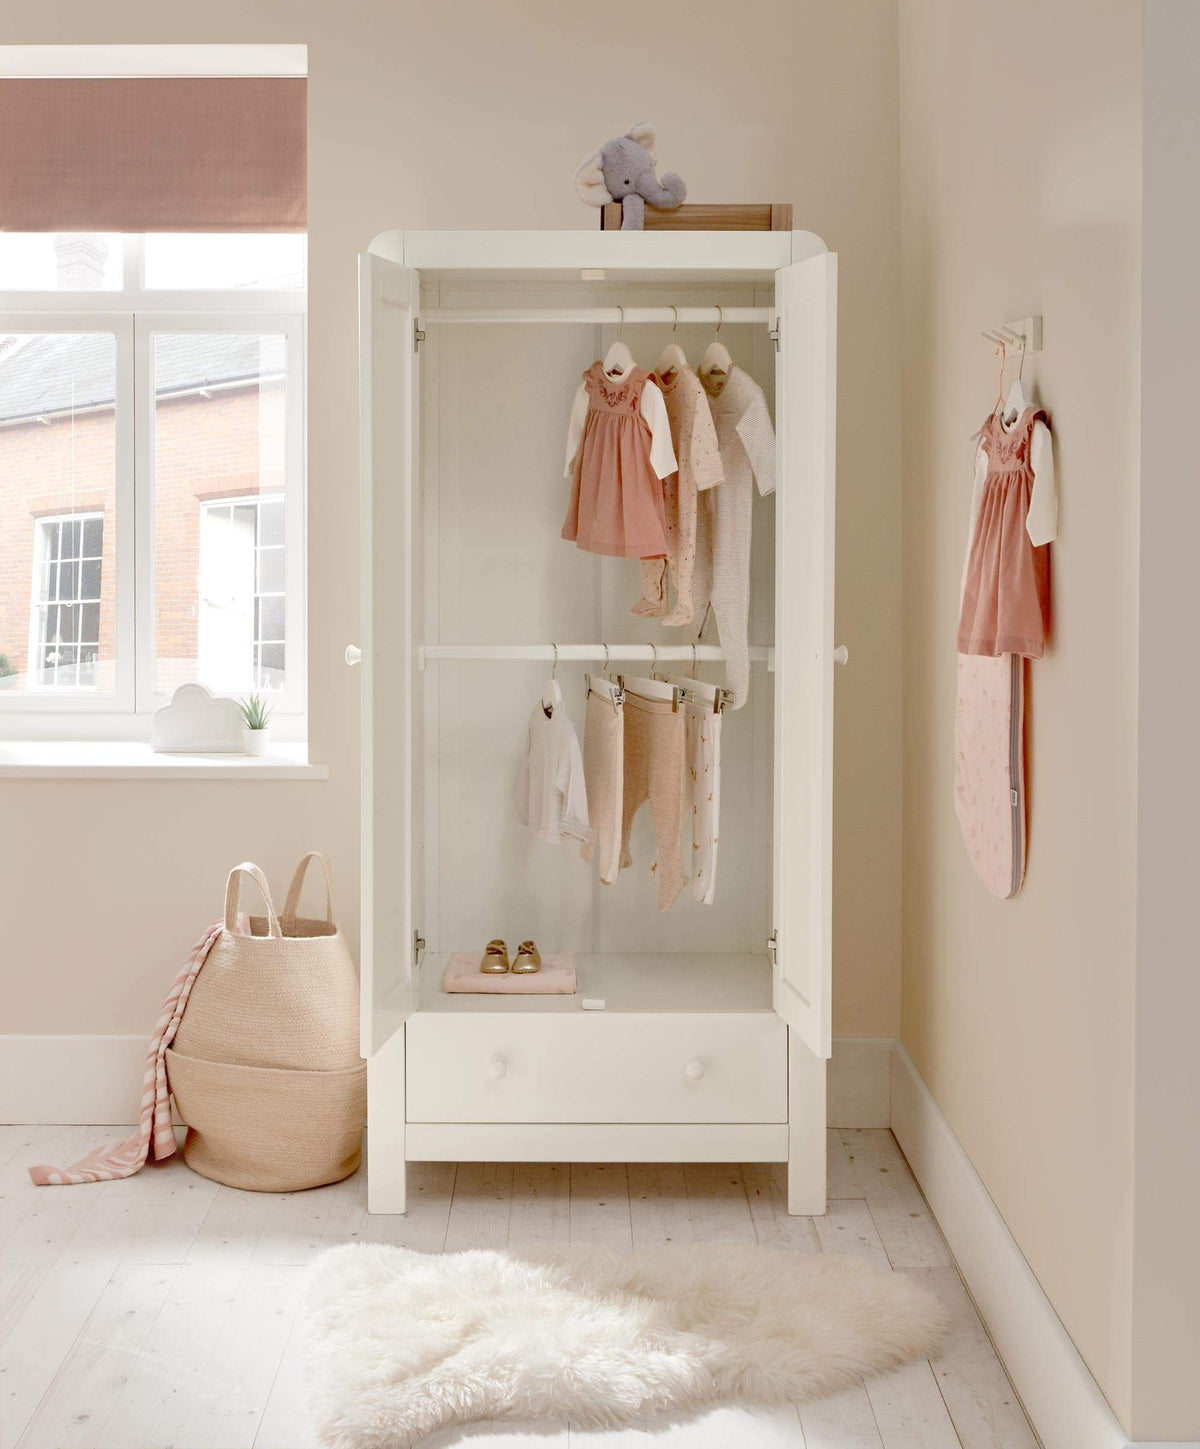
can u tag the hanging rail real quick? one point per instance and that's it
(614, 316)
(648, 653)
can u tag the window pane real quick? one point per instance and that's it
(219, 435)
(60, 262)
(201, 262)
(270, 571)
(57, 494)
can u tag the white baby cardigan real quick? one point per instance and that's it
(551, 798)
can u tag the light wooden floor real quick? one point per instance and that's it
(160, 1311)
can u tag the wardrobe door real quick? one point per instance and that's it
(805, 421)
(388, 298)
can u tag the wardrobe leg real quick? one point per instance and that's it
(806, 1130)
(387, 1170)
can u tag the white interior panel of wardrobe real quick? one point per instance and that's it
(495, 401)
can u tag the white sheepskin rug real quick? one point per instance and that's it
(404, 1343)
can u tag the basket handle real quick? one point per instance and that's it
(233, 894)
(293, 896)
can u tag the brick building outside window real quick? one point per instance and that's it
(150, 492)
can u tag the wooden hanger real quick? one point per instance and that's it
(673, 358)
(1020, 395)
(618, 360)
(716, 361)
(552, 693)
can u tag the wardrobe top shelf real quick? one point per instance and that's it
(738, 253)
(675, 982)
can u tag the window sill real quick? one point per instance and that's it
(134, 760)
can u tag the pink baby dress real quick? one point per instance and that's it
(1006, 588)
(616, 503)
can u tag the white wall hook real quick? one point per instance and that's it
(694, 1070)
(353, 654)
(841, 655)
(497, 1069)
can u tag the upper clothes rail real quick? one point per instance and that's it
(615, 316)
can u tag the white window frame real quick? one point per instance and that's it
(34, 648)
(132, 315)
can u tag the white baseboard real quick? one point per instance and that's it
(1060, 1395)
(98, 1079)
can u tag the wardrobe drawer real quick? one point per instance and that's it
(482, 1067)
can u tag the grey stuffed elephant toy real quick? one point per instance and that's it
(623, 170)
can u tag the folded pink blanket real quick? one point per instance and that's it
(556, 978)
(155, 1134)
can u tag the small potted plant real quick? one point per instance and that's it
(256, 728)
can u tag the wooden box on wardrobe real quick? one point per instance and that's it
(716, 1027)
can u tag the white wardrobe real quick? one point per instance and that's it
(713, 1037)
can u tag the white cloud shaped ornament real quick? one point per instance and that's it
(196, 722)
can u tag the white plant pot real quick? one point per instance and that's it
(256, 742)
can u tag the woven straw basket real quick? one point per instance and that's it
(285, 996)
(269, 1130)
(265, 1068)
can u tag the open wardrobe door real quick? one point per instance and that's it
(805, 427)
(388, 296)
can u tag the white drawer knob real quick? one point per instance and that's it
(353, 654)
(694, 1070)
(497, 1069)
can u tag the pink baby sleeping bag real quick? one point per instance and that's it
(989, 768)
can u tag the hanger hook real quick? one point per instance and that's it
(605, 648)
(554, 666)
(653, 658)
(621, 324)
(1021, 364)
(720, 319)
(695, 658)
(675, 324)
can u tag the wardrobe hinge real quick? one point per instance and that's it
(418, 334)
(773, 948)
(418, 947)
(776, 332)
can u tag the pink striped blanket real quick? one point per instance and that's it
(155, 1134)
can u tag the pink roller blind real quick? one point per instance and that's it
(134, 155)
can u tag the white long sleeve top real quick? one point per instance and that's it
(652, 408)
(551, 797)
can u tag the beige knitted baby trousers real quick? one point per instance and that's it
(654, 771)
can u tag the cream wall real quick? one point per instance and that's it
(1020, 185)
(474, 115)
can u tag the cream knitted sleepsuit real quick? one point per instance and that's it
(747, 443)
(695, 441)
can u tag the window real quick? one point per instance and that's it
(151, 477)
(64, 636)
